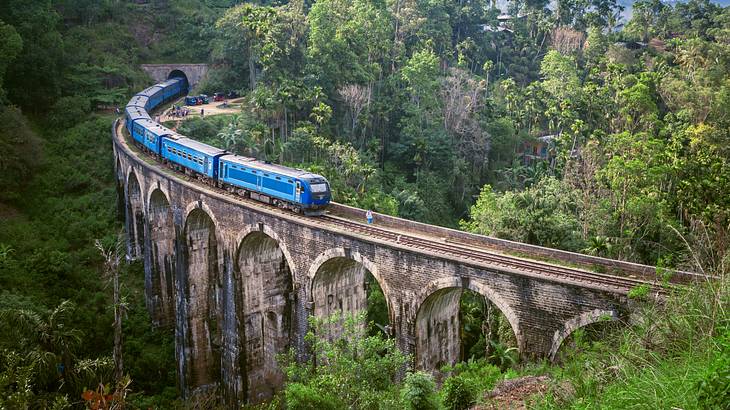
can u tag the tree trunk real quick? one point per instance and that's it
(118, 362)
(251, 70)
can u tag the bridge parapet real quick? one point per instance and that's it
(461, 238)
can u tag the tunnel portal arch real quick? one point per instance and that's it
(180, 73)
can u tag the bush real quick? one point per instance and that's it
(458, 393)
(419, 392)
(302, 397)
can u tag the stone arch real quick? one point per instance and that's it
(119, 185)
(323, 257)
(202, 289)
(119, 171)
(338, 283)
(160, 268)
(202, 206)
(135, 216)
(584, 319)
(264, 306)
(437, 326)
(180, 73)
(248, 229)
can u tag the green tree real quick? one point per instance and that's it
(21, 152)
(559, 77)
(33, 79)
(10, 46)
(345, 370)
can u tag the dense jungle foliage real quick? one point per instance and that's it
(564, 124)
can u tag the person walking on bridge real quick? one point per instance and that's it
(369, 216)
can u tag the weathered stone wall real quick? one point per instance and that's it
(134, 218)
(201, 295)
(339, 288)
(247, 277)
(264, 293)
(160, 261)
(437, 330)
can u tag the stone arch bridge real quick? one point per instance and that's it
(237, 280)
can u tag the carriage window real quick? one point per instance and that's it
(318, 188)
(278, 178)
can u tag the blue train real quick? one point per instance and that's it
(278, 185)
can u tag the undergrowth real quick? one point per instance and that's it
(672, 354)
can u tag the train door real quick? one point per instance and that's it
(298, 192)
(259, 182)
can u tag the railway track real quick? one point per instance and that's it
(459, 251)
(497, 259)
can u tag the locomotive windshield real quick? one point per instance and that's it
(319, 188)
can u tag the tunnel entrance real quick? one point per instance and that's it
(203, 337)
(180, 73)
(455, 324)
(161, 286)
(264, 315)
(344, 287)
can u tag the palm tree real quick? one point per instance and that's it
(598, 246)
(502, 356)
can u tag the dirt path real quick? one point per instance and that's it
(514, 394)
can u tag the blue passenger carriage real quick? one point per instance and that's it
(275, 184)
(138, 101)
(149, 134)
(171, 88)
(155, 96)
(193, 155)
(132, 114)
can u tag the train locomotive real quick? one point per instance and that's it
(285, 187)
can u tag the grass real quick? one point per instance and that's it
(671, 356)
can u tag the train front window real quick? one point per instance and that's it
(319, 188)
